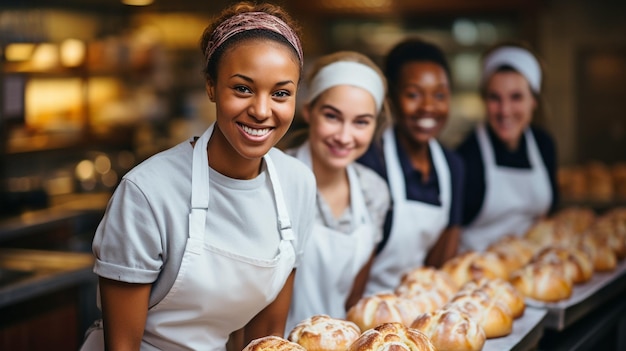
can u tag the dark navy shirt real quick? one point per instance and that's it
(474, 185)
(416, 188)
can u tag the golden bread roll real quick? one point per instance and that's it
(427, 298)
(493, 316)
(610, 231)
(501, 290)
(451, 330)
(392, 337)
(543, 281)
(473, 265)
(514, 251)
(430, 278)
(272, 343)
(577, 264)
(602, 256)
(547, 231)
(575, 220)
(324, 333)
(371, 311)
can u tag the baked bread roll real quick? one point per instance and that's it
(323, 333)
(451, 330)
(547, 231)
(610, 231)
(493, 316)
(514, 251)
(473, 265)
(542, 281)
(371, 311)
(575, 220)
(577, 264)
(392, 337)
(500, 290)
(427, 298)
(429, 278)
(272, 343)
(602, 257)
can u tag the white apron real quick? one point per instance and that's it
(216, 291)
(332, 259)
(514, 198)
(416, 225)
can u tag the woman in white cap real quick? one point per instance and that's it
(510, 164)
(344, 110)
(425, 179)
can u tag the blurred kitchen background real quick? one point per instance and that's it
(89, 88)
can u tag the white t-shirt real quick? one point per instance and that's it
(142, 236)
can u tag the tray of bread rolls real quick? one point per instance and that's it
(573, 262)
(456, 308)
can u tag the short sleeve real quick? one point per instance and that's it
(127, 244)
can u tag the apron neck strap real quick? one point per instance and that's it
(284, 223)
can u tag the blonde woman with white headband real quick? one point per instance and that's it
(344, 109)
(510, 163)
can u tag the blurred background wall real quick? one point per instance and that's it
(91, 87)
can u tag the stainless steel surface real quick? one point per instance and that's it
(527, 331)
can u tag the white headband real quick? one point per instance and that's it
(520, 59)
(348, 73)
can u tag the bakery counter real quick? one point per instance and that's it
(25, 274)
(46, 299)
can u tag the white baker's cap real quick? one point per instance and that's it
(520, 59)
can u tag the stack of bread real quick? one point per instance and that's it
(392, 337)
(324, 333)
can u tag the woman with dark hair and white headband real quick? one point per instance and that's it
(344, 110)
(510, 164)
(203, 239)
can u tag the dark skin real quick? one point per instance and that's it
(421, 103)
(245, 96)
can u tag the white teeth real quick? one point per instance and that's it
(426, 123)
(255, 132)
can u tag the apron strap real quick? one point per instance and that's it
(284, 223)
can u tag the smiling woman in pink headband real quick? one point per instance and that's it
(510, 163)
(203, 239)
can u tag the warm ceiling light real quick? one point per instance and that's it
(72, 52)
(19, 51)
(137, 2)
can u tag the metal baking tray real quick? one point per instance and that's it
(527, 331)
(586, 297)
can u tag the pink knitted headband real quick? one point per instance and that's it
(249, 21)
